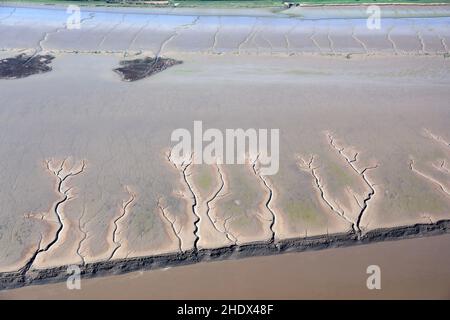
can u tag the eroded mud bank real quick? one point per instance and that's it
(9, 280)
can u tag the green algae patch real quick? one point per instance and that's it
(302, 211)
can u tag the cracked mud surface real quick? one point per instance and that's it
(23, 66)
(87, 173)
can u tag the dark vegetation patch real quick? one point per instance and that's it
(23, 65)
(132, 70)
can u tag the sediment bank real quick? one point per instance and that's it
(10, 280)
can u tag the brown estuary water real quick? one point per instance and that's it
(412, 269)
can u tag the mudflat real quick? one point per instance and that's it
(87, 171)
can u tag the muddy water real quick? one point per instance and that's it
(416, 268)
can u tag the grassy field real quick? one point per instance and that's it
(218, 3)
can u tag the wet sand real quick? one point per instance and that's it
(410, 269)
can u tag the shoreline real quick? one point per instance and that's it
(336, 10)
(206, 6)
(12, 280)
